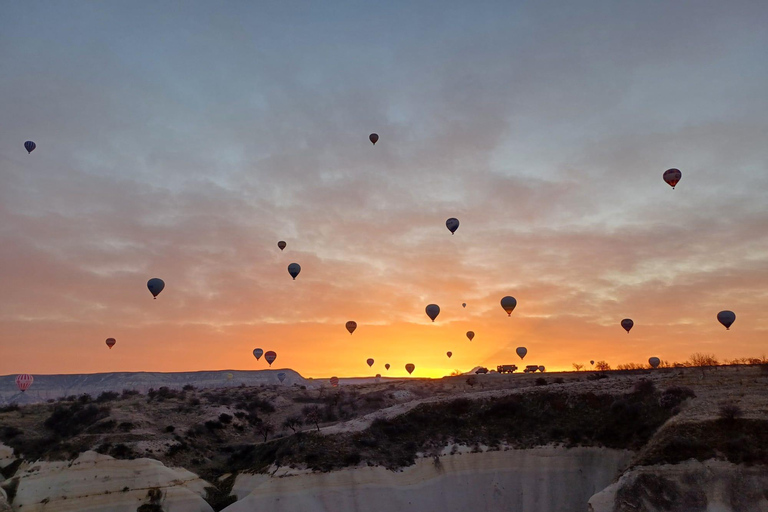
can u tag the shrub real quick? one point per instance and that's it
(559, 380)
(170, 428)
(129, 393)
(213, 425)
(674, 396)
(9, 408)
(70, 421)
(107, 396)
(596, 376)
(541, 381)
(645, 387)
(225, 418)
(9, 433)
(729, 412)
(188, 387)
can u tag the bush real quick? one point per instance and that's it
(541, 381)
(70, 421)
(129, 393)
(9, 408)
(596, 376)
(225, 418)
(9, 433)
(213, 425)
(188, 387)
(729, 412)
(645, 387)
(107, 396)
(559, 380)
(170, 428)
(674, 396)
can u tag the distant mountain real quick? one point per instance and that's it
(46, 387)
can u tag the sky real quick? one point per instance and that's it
(183, 140)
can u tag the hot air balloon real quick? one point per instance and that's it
(281, 377)
(369, 361)
(281, 244)
(654, 361)
(452, 224)
(230, 376)
(470, 335)
(449, 354)
(29, 146)
(386, 366)
(257, 353)
(508, 303)
(294, 269)
(672, 177)
(592, 363)
(463, 304)
(155, 286)
(432, 311)
(334, 381)
(23, 381)
(541, 369)
(374, 138)
(111, 342)
(627, 324)
(521, 351)
(270, 357)
(351, 326)
(410, 367)
(726, 318)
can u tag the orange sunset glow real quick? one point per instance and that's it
(165, 151)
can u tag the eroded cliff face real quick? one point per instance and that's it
(534, 480)
(692, 486)
(99, 483)
(4, 506)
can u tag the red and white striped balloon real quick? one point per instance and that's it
(24, 380)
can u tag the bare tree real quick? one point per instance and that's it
(312, 415)
(578, 366)
(293, 423)
(699, 359)
(264, 428)
(602, 366)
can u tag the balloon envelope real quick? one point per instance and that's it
(369, 361)
(410, 367)
(111, 342)
(281, 376)
(29, 146)
(452, 224)
(726, 318)
(521, 351)
(592, 363)
(374, 138)
(672, 177)
(541, 368)
(508, 303)
(449, 354)
(463, 304)
(627, 324)
(155, 286)
(334, 381)
(23, 381)
(270, 357)
(351, 326)
(432, 311)
(257, 353)
(654, 361)
(294, 269)
(281, 245)
(470, 335)
(386, 366)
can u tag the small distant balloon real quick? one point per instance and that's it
(111, 342)
(672, 177)
(155, 286)
(334, 381)
(29, 146)
(726, 318)
(409, 368)
(374, 138)
(270, 357)
(230, 376)
(351, 326)
(592, 363)
(463, 304)
(452, 224)
(386, 366)
(449, 354)
(627, 324)
(369, 361)
(521, 351)
(281, 244)
(281, 377)
(432, 311)
(508, 303)
(541, 368)
(23, 381)
(294, 269)
(470, 335)
(654, 362)
(257, 353)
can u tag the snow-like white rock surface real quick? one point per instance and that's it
(535, 480)
(99, 483)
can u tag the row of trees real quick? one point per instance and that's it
(696, 360)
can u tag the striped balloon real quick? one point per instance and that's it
(270, 357)
(334, 381)
(23, 381)
(29, 146)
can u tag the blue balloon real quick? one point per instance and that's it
(30, 146)
(155, 286)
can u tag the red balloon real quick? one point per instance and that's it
(23, 381)
(672, 177)
(334, 381)
(270, 357)
(111, 342)
(374, 138)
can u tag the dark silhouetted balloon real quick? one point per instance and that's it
(508, 303)
(294, 269)
(334, 381)
(409, 368)
(29, 146)
(452, 224)
(23, 381)
(432, 311)
(463, 304)
(270, 357)
(541, 369)
(672, 177)
(374, 138)
(351, 326)
(521, 351)
(386, 366)
(592, 363)
(155, 286)
(257, 353)
(470, 335)
(726, 318)
(449, 354)
(627, 324)
(369, 361)
(281, 376)
(654, 361)
(281, 245)
(111, 342)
